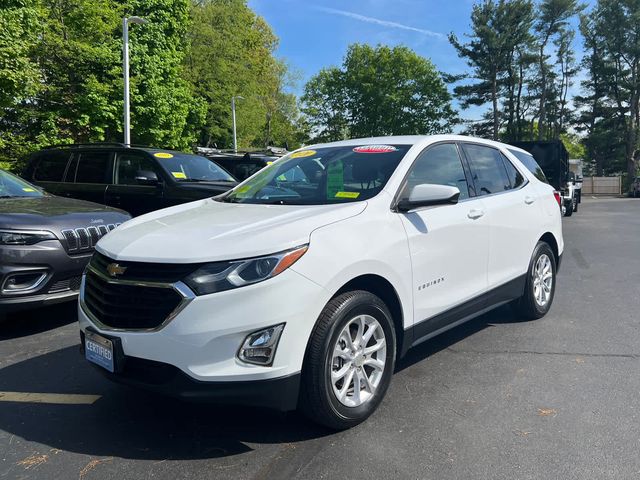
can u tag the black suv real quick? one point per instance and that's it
(242, 164)
(135, 179)
(45, 243)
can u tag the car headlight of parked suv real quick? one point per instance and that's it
(10, 237)
(221, 276)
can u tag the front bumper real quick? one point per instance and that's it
(63, 274)
(197, 349)
(276, 393)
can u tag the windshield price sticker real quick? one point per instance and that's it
(303, 154)
(347, 194)
(163, 155)
(179, 175)
(375, 149)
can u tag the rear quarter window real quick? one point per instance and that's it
(530, 163)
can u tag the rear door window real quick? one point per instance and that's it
(93, 167)
(51, 166)
(487, 169)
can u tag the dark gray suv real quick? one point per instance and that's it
(45, 243)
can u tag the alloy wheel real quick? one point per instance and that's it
(542, 280)
(358, 361)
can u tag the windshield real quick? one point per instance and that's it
(192, 168)
(322, 176)
(12, 186)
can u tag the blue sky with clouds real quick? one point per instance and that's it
(315, 33)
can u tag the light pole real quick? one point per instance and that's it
(125, 69)
(233, 117)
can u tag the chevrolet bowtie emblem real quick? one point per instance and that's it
(114, 269)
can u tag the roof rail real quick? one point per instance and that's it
(76, 145)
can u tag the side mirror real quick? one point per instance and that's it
(147, 177)
(427, 194)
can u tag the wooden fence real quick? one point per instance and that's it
(602, 186)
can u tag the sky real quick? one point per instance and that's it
(315, 33)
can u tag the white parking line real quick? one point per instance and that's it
(55, 398)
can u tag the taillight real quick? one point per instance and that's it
(558, 198)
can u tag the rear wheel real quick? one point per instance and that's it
(568, 208)
(349, 361)
(575, 203)
(540, 285)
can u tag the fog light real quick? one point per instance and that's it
(23, 282)
(259, 347)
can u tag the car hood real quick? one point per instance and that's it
(209, 231)
(55, 214)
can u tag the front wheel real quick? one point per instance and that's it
(349, 361)
(540, 286)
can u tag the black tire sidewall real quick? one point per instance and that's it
(541, 248)
(358, 305)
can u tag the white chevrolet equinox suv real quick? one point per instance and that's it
(304, 285)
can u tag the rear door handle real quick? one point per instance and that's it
(529, 199)
(474, 214)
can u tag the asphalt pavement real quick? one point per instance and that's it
(497, 398)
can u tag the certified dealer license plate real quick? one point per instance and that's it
(99, 350)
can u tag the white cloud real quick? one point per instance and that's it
(377, 21)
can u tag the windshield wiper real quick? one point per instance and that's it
(9, 196)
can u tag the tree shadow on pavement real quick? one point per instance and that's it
(33, 321)
(132, 424)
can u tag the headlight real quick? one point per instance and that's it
(220, 276)
(9, 237)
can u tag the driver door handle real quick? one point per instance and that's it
(529, 199)
(475, 213)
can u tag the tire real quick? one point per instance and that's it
(531, 305)
(575, 204)
(568, 208)
(320, 398)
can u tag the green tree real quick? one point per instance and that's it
(379, 91)
(165, 110)
(552, 22)
(500, 32)
(612, 118)
(61, 74)
(232, 53)
(19, 78)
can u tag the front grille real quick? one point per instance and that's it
(130, 307)
(65, 285)
(83, 240)
(145, 272)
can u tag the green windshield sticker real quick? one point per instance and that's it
(335, 178)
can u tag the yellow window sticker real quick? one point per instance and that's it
(347, 194)
(269, 163)
(303, 154)
(178, 175)
(27, 189)
(243, 189)
(163, 155)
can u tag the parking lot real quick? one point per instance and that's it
(495, 398)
